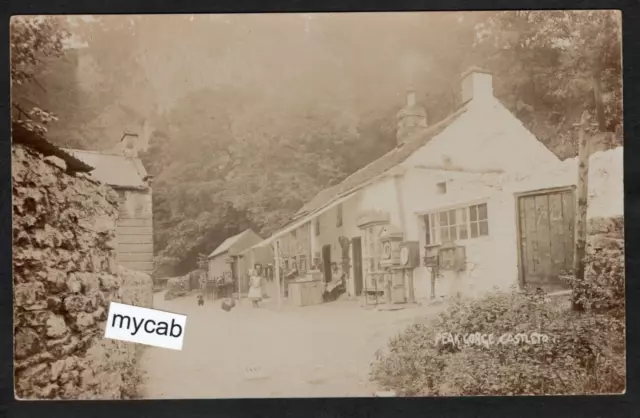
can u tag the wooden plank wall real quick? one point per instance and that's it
(135, 231)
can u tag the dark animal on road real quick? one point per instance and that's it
(228, 304)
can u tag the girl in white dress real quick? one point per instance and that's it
(255, 288)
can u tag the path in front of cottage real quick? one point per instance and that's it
(315, 351)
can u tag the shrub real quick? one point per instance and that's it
(585, 353)
(603, 288)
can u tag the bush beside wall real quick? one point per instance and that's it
(65, 276)
(585, 353)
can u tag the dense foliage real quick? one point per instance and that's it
(251, 116)
(33, 42)
(603, 288)
(547, 65)
(584, 353)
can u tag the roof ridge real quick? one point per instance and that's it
(109, 153)
(414, 139)
(222, 244)
(105, 153)
(94, 151)
(418, 140)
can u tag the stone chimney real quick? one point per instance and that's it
(411, 119)
(130, 144)
(477, 84)
(135, 138)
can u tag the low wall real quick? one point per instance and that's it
(65, 276)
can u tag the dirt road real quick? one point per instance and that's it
(317, 351)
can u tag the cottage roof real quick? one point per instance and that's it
(383, 164)
(228, 243)
(113, 169)
(37, 142)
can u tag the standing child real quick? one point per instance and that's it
(255, 288)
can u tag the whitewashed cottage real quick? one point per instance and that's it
(470, 189)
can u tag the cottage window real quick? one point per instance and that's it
(317, 225)
(457, 224)
(431, 224)
(339, 216)
(478, 220)
(448, 226)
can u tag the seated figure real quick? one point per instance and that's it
(337, 285)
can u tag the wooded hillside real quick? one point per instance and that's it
(253, 115)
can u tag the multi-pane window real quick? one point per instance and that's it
(478, 221)
(457, 224)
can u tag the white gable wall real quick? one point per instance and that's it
(490, 147)
(486, 137)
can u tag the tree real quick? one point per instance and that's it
(545, 63)
(34, 40)
(285, 108)
(94, 83)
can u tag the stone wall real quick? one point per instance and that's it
(605, 240)
(65, 276)
(605, 267)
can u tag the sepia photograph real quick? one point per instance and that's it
(317, 205)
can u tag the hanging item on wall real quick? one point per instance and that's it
(390, 238)
(452, 257)
(409, 255)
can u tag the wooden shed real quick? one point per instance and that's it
(123, 171)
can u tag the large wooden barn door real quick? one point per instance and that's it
(545, 226)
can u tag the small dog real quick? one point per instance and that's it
(200, 300)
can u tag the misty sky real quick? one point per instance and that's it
(356, 59)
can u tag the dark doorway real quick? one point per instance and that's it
(326, 262)
(356, 247)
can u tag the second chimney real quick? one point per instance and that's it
(130, 144)
(411, 119)
(477, 84)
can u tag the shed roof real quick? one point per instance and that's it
(228, 243)
(37, 142)
(113, 169)
(383, 164)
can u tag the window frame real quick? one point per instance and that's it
(461, 220)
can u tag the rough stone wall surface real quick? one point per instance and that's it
(65, 276)
(606, 233)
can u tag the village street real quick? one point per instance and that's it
(315, 351)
